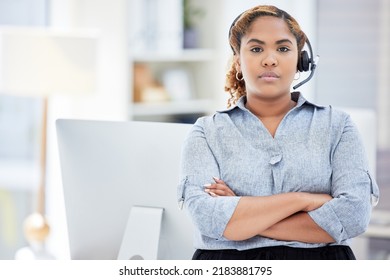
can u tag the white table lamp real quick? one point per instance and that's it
(42, 62)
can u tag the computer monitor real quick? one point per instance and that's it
(111, 169)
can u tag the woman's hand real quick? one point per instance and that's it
(219, 188)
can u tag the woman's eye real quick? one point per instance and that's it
(284, 49)
(256, 50)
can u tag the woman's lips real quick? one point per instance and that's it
(269, 76)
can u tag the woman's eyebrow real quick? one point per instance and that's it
(278, 42)
(257, 41)
(283, 41)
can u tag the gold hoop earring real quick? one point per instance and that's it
(239, 79)
(299, 76)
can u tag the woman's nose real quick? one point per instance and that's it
(269, 60)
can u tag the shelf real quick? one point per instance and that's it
(190, 76)
(186, 55)
(172, 107)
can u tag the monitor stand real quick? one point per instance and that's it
(142, 234)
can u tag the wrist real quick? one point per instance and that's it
(305, 201)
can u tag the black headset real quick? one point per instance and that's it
(305, 61)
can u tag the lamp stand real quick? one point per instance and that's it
(36, 227)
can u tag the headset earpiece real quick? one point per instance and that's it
(304, 62)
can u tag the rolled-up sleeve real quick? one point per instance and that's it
(198, 165)
(353, 189)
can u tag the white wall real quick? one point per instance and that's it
(349, 44)
(383, 99)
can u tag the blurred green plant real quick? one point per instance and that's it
(191, 13)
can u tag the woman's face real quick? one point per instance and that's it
(268, 58)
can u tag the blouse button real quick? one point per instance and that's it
(275, 159)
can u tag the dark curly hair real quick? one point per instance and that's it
(236, 88)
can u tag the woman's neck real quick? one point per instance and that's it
(269, 108)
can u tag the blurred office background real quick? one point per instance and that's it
(147, 50)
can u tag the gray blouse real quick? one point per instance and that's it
(315, 149)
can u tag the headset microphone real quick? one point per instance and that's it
(312, 69)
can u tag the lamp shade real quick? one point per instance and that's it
(43, 61)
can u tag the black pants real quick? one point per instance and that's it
(278, 253)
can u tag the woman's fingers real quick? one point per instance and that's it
(219, 188)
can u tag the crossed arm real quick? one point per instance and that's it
(281, 216)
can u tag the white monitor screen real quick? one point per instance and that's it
(107, 168)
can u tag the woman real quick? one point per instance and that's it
(273, 176)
